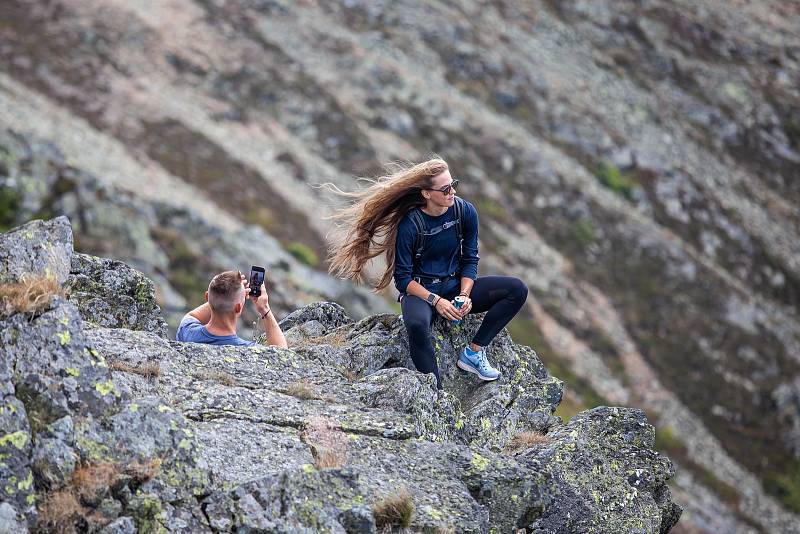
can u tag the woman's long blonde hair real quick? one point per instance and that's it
(368, 227)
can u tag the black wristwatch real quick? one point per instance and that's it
(431, 298)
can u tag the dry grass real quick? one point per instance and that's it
(524, 441)
(62, 510)
(90, 482)
(394, 510)
(328, 445)
(59, 512)
(31, 295)
(335, 339)
(449, 529)
(141, 472)
(221, 377)
(302, 389)
(349, 374)
(149, 370)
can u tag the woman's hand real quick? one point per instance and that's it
(466, 307)
(446, 309)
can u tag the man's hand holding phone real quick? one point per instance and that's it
(257, 290)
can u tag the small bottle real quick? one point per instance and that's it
(458, 302)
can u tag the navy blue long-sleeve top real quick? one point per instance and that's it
(440, 255)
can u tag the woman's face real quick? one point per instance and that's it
(436, 194)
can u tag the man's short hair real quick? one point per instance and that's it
(225, 291)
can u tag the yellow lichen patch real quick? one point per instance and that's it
(18, 439)
(479, 462)
(26, 484)
(307, 468)
(64, 337)
(71, 371)
(104, 388)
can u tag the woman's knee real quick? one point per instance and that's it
(418, 329)
(518, 289)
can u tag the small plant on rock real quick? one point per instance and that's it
(32, 295)
(328, 445)
(303, 254)
(394, 510)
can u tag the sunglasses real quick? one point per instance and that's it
(446, 189)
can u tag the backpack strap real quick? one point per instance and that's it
(459, 209)
(419, 240)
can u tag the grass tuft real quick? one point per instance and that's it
(302, 389)
(221, 377)
(32, 295)
(523, 441)
(394, 510)
(328, 445)
(70, 508)
(59, 512)
(349, 374)
(149, 370)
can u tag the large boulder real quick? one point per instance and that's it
(109, 293)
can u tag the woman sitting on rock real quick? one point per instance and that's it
(429, 238)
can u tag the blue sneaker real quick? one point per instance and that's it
(477, 364)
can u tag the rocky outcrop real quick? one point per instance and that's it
(635, 163)
(194, 438)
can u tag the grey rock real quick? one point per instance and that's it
(109, 508)
(109, 293)
(328, 314)
(122, 525)
(41, 248)
(609, 474)
(53, 462)
(9, 523)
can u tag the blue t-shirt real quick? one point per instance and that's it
(191, 330)
(440, 254)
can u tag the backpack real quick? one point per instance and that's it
(422, 233)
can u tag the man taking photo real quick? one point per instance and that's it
(214, 322)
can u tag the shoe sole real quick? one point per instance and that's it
(474, 371)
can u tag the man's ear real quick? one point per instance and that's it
(237, 308)
(206, 296)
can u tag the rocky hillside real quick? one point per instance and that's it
(116, 429)
(636, 163)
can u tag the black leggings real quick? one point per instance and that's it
(500, 296)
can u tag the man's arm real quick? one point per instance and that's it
(275, 335)
(202, 313)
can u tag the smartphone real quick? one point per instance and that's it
(256, 279)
